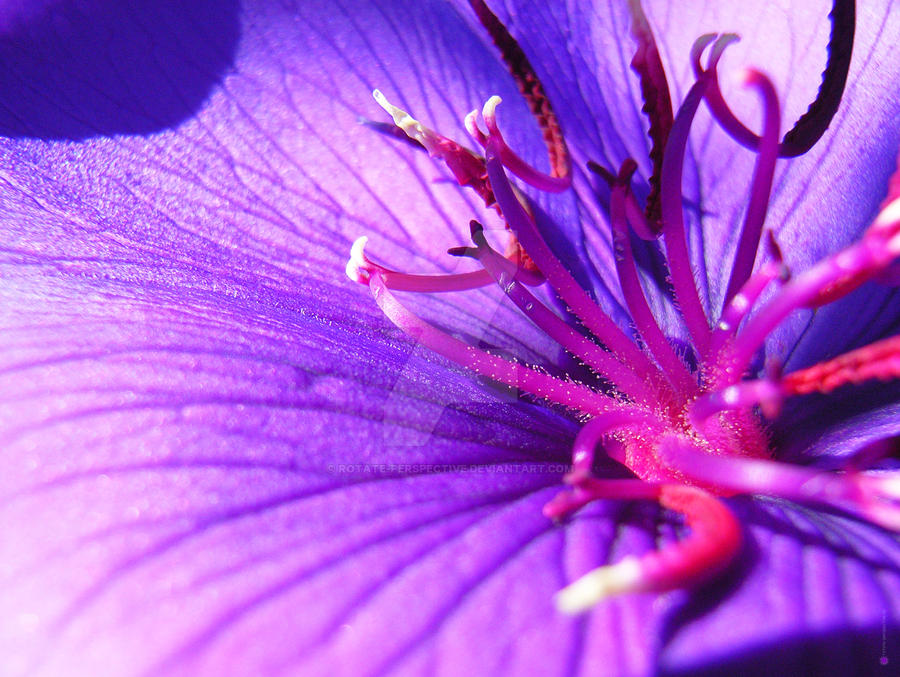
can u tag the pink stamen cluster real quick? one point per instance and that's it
(689, 435)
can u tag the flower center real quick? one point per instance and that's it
(690, 430)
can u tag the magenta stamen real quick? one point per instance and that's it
(714, 541)
(603, 363)
(763, 173)
(732, 475)
(700, 45)
(436, 283)
(674, 369)
(584, 308)
(835, 276)
(467, 167)
(674, 231)
(744, 395)
(713, 94)
(471, 123)
(813, 123)
(742, 303)
(874, 497)
(591, 489)
(566, 502)
(589, 437)
(360, 269)
(546, 182)
(566, 393)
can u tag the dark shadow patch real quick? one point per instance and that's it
(105, 67)
(865, 652)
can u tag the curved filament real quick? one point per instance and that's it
(714, 541)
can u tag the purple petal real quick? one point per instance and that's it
(184, 361)
(177, 480)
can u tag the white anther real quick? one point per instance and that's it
(597, 585)
(356, 266)
(412, 127)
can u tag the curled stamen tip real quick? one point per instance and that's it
(489, 111)
(719, 47)
(413, 128)
(471, 122)
(599, 584)
(357, 266)
(697, 49)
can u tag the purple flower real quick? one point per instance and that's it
(221, 458)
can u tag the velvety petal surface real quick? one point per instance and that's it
(204, 422)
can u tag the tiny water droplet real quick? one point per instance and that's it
(529, 306)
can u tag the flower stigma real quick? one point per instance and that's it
(691, 431)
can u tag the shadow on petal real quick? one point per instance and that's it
(858, 652)
(80, 70)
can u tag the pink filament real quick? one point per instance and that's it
(542, 385)
(740, 305)
(559, 278)
(551, 183)
(360, 268)
(674, 369)
(603, 363)
(845, 270)
(591, 489)
(674, 231)
(871, 496)
(597, 428)
(714, 541)
(761, 186)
